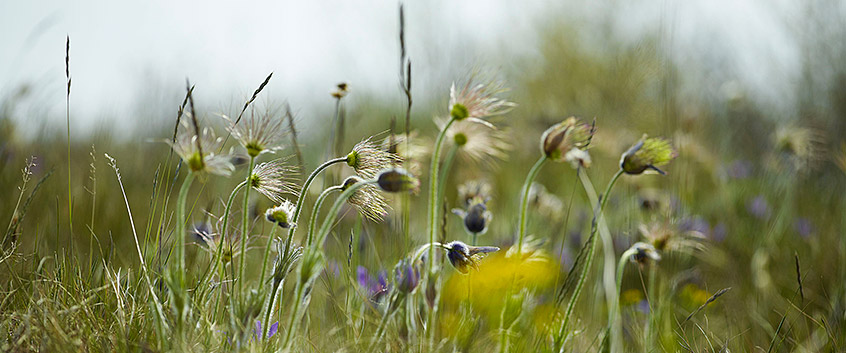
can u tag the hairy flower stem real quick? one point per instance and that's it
(312, 220)
(615, 323)
(303, 193)
(271, 300)
(524, 203)
(588, 262)
(180, 227)
(245, 228)
(611, 297)
(447, 165)
(218, 253)
(383, 323)
(325, 227)
(267, 254)
(433, 220)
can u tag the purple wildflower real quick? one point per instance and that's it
(758, 207)
(739, 169)
(720, 231)
(803, 227)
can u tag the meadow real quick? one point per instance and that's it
(587, 202)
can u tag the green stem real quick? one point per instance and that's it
(245, 226)
(433, 220)
(524, 203)
(615, 323)
(267, 254)
(312, 220)
(180, 227)
(447, 165)
(221, 240)
(272, 300)
(304, 192)
(588, 261)
(323, 232)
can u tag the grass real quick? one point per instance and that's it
(747, 223)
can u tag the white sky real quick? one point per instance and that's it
(119, 49)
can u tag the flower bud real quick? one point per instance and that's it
(283, 215)
(647, 154)
(559, 139)
(397, 180)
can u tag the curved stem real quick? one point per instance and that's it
(524, 203)
(588, 260)
(304, 192)
(615, 323)
(325, 227)
(433, 220)
(312, 220)
(245, 226)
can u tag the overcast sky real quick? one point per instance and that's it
(122, 50)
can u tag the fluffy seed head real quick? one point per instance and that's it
(200, 152)
(368, 159)
(478, 141)
(274, 179)
(283, 215)
(367, 200)
(560, 139)
(647, 154)
(262, 133)
(474, 100)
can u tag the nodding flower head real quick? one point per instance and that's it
(642, 253)
(398, 180)
(477, 101)
(474, 189)
(463, 256)
(367, 200)
(559, 141)
(283, 215)
(200, 152)
(800, 147)
(273, 179)
(368, 159)
(376, 286)
(476, 217)
(262, 133)
(648, 154)
(407, 276)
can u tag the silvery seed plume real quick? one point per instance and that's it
(200, 152)
(480, 143)
(367, 200)
(274, 179)
(368, 159)
(259, 133)
(476, 101)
